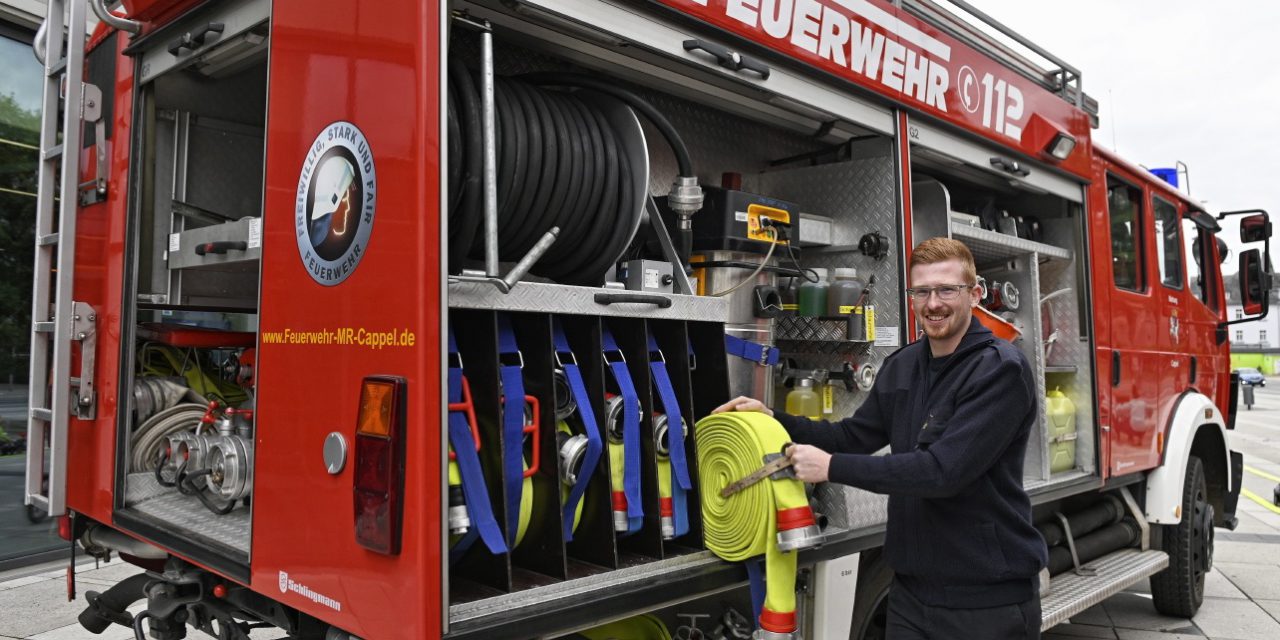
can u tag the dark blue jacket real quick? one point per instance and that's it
(959, 532)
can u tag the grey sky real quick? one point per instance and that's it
(1176, 80)
(1187, 80)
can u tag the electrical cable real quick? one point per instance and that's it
(773, 244)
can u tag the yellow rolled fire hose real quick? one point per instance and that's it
(644, 627)
(526, 501)
(732, 446)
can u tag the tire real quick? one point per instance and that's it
(1179, 590)
(871, 604)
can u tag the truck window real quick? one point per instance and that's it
(1198, 280)
(1124, 204)
(1168, 243)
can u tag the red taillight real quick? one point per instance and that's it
(64, 527)
(379, 464)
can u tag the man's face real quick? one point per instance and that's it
(943, 320)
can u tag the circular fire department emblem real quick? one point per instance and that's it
(333, 211)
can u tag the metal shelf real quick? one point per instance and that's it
(820, 329)
(989, 246)
(1061, 368)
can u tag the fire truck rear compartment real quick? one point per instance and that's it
(196, 233)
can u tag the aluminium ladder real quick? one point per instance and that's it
(56, 319)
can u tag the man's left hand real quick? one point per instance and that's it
(810, 463)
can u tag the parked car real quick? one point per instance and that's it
(1252, 377)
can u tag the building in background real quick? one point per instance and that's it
(1254, 344)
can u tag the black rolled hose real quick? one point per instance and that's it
(560, 162)
(1120, 535)
(1109, 510)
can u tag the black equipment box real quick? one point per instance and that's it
(731, 221)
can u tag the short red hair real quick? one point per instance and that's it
(936, 250)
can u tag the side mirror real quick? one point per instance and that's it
(1255, 283)
(1255, 228)
(1223, 250)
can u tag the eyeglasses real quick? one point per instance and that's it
(946, 292)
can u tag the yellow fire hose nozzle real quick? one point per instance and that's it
(756, 518)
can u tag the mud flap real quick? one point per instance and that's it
(1232, 498)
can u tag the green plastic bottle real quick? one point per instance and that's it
(813, 295)
(804, 401)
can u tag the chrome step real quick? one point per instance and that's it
(1070, 594)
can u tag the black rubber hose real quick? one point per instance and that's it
(1109, 510)
(1120, 535)
(560, 163)
(635, 101)
(466, 216)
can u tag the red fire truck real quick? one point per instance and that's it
(393, 319)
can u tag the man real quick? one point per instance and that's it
(956, 409)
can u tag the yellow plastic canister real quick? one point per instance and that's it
(1061, 413)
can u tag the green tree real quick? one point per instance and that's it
(19, 155)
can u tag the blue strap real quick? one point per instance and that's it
(675, 438)
(630, 432)
(594, 443)
(747, 350)
(755, 580)
(512, 422)
(484, 525)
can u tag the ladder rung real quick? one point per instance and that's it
(57, 68)
(54, 152)
(42, 414)
(48, 239)
(45, 327)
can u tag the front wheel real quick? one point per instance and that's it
(871, 602)
(1179, 590)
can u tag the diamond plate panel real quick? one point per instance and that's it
(849, 509)
(1068, 363)
(1070, 594)
(860, 196)
(146, 497)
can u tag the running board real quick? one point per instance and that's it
(1070, 594)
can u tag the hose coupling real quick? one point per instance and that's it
(565, 404)
(620, 522)
(661, 434)
(685, 198)
(666, 518)
(797, 529)
(762, 634)
(459, 521)
(573, 448)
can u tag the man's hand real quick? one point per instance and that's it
(743, 403)
(810, 463)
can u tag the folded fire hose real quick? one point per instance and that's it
(468, 493)
(623, 422)
(747, 513)
(579, 454)
(669, 431)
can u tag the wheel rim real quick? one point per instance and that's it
(1201, 540)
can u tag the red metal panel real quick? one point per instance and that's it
(99, 276)
(374, 65)
(886, 50)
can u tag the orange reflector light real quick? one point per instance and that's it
(378, 482)
(64, 527)
(1159, 444)
(375, 408)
